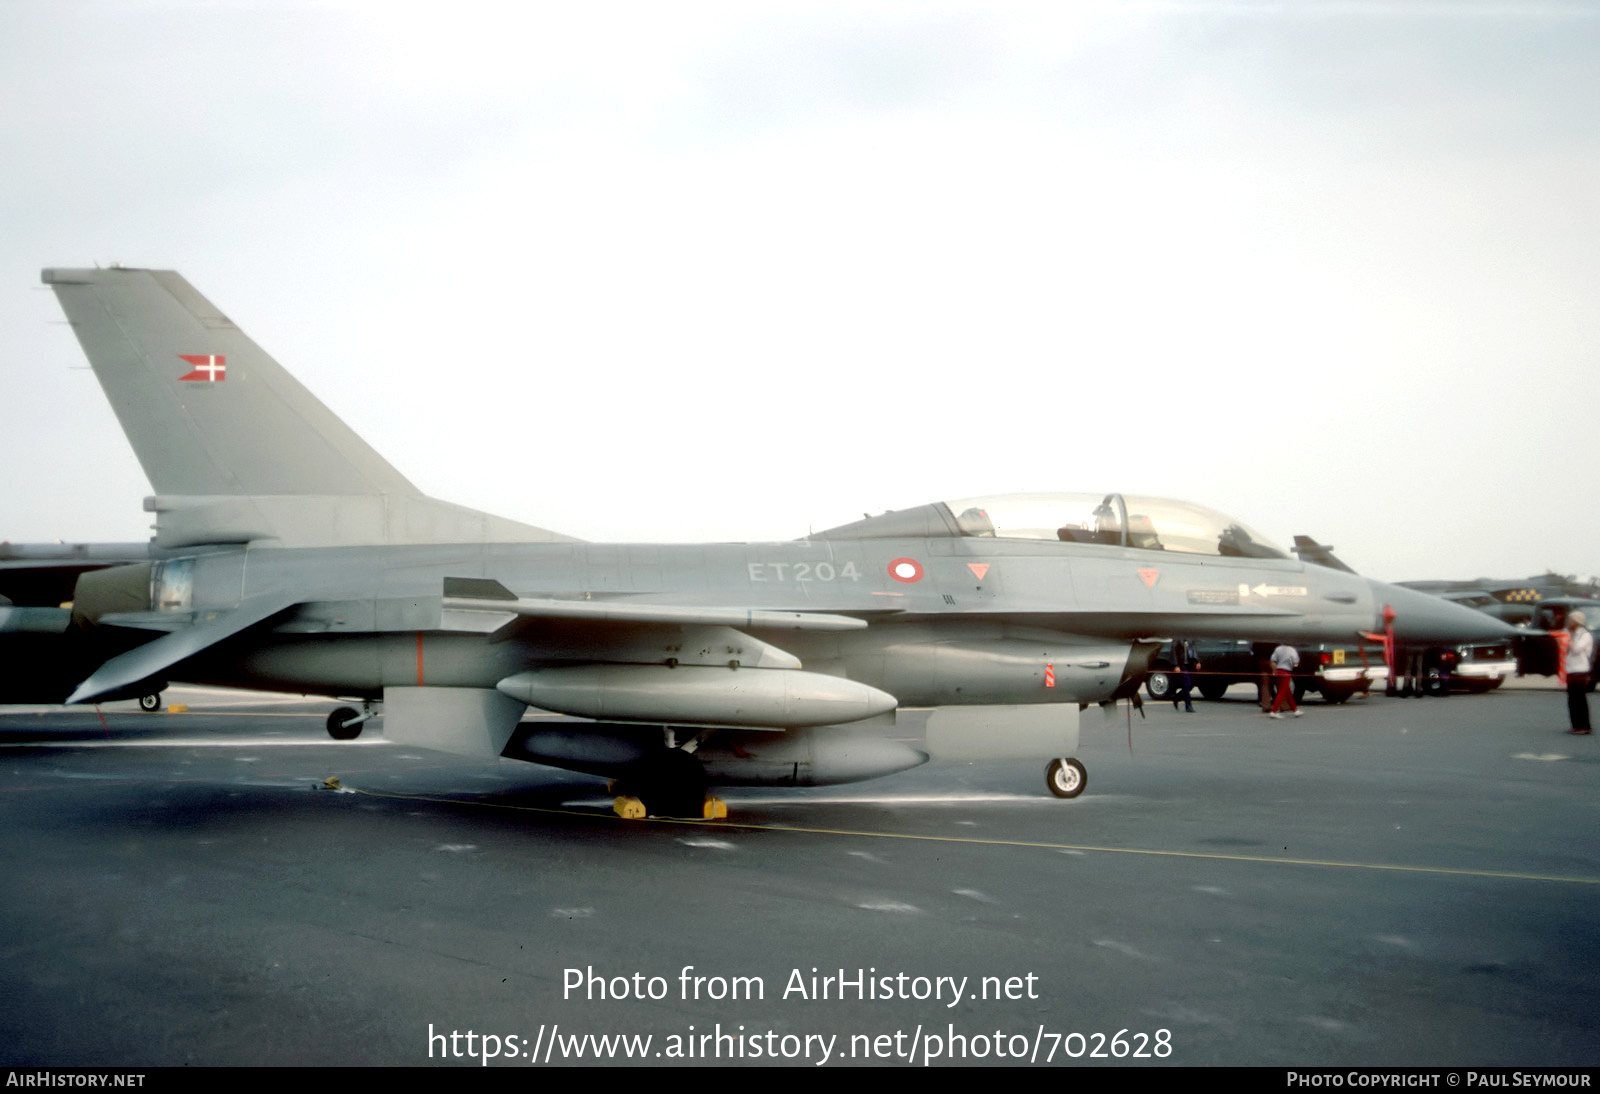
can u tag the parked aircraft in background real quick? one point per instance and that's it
(289, 556)
(1543, 643)
(1511, 599)
(1438, 669)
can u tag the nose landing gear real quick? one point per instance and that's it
(344, 723)
(1066, 777)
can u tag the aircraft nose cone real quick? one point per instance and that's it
(1422, 618)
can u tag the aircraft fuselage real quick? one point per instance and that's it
(951, 621)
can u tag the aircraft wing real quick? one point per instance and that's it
(643, 662)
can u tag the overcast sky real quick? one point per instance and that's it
(738, 271)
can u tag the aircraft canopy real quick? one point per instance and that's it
(1117, 520)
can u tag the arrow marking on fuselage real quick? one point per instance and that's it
(1272, 590)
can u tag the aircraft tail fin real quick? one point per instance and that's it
(208, 411)
(237, 449)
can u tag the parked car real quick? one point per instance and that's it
(1223, 663)
(1537, 651)
(1333, 670)
(1475, 667)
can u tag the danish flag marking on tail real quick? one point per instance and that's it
(208, 368)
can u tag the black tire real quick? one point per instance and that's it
(671, 783)
(150, 703)
(1066, 777)
(1214, 689)
(337, 727)
(1160, 685)
(1434, 682)
(1337, 693)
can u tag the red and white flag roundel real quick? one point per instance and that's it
(906, 570)
(208, 368)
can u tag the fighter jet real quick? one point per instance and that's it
(42, 657)
(1514, 600)
(289, 556)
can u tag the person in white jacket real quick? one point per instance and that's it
(1579, 663)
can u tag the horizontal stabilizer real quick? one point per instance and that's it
(150, 660)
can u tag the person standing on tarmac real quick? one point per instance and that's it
(1184, 661)
(1284, 661)
(1262, 652)
(1579, 663)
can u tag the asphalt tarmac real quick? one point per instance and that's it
(1387, 882)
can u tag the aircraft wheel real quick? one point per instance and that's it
(1433, 683)
(1159, 685)
(672, 783)
(150, 703)
(1214, 689)
(338, 730)
(1066, 777)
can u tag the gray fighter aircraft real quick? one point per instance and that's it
(289, 556)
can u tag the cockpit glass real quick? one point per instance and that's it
(1115, 520)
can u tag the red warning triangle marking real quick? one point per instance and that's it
(978, 569)
(1150, 576)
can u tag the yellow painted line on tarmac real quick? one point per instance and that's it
(193, 713)
(150, 718)
(206, 712)
(1505, 875)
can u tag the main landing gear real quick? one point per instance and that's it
(1066, 777)
(668, 783)
(345, 723)
(150, 703)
